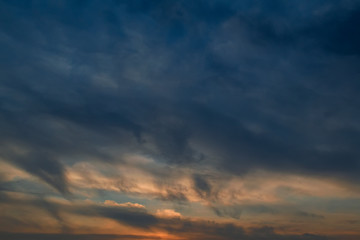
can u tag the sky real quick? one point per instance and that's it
(180, 120)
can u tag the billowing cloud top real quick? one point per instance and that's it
(180, 119)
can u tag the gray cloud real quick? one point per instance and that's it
(140, 218)
(168, 92)
(225, 85)
(201, 186)
(29, 236)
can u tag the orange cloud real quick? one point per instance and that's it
(167, 213)
(128, 204)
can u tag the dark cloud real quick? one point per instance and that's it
(132, 217)
(39, 236)
(235, 211)
(135, 217)
(207, 84)
(309, 215)
(202, 187)
(25, 186)
(228, 211)
(174, 196)
(337, 33)
(55, 212)
(140, 218)
(45, 167)
(214, 102)
(228, 231)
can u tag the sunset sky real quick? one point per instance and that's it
(180, 120)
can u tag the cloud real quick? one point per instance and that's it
(123, 213)
(164, 221)
(41, 236)
(190, 90)
(228, 211)
(206, 93)
(309, 215)
(128, 204)
(202, 187)
(167, 213)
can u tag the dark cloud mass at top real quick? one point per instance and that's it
(237, 85)
(179, 119)
(253, 84)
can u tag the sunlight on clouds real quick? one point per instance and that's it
(191, 120)
(258, 187)
(128, 204)
(130, 179)
(257, 198)
(9, 172)
(167, 213)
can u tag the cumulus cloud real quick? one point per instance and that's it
(167, 213)
(128, 204)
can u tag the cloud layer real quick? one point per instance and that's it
(214, 110)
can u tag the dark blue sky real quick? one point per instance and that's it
(217, 87)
